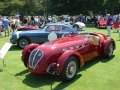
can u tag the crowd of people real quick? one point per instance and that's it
(11, 23)
(112, 21)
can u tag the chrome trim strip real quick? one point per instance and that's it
(31, 60)
(39, 59)
(34, 57)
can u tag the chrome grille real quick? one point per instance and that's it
(35, 57)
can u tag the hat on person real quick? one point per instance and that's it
(108, 14)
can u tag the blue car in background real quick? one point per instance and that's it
(23, 38)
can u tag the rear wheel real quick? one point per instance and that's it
(23, 42)
(76, 27)
(110, 50)
(70, 69)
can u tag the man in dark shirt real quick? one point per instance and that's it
(109, 24)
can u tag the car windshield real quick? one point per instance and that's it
(86, 35)
(53, 27)
(94, 38)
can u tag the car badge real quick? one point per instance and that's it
(65, 49)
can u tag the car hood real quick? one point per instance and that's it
(61, 44)
(31, 31)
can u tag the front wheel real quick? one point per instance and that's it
(23, 42)
(70, 69)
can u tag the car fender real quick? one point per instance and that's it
(28, 49)
(63, 58)
(80, 24)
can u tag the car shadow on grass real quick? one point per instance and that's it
(118, 39)
(38, 81)
(95, 61)
(1, 70)
(14, 48)
(22, 73)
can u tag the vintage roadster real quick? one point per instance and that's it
(64, 56)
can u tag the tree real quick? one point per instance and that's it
(58, 7)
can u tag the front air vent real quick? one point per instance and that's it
(35, 57)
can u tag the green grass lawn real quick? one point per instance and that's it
(99, 74)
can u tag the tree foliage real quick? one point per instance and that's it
(58, 7)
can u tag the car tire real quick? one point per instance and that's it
(70, 69)
(76, 27)
(26, 60)
(23, 42)
(110, 50)
(98, 26)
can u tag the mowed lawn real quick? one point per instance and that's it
(98, 74)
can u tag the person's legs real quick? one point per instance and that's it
(109, 30)
(8, 31)
(13, 27)
(5, 31)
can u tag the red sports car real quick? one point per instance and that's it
(64, 56)
(101, 24)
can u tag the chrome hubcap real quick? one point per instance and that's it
(110, 50)
(23, 43)
(71, 69)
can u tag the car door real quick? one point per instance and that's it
(39, 36)
(87, 49)
(42, 36)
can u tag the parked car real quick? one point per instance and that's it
(79, 25)
(64, 56)
(23, 38)
(101, 24)
(27, 28)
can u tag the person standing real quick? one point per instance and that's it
(6, 25)
(12, 23)
(109, 25)
(18, 23)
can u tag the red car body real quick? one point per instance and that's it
(64, 56)
(26, 28)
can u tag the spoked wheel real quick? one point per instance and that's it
(70, 69)
(23, 42)
(110, 50)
